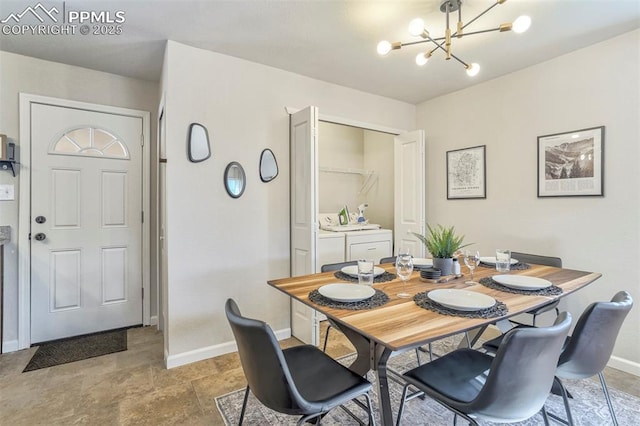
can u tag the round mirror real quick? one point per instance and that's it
(234, 179)
(268, 166)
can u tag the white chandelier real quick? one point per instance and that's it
(417, 29)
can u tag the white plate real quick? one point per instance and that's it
(491, 260)
(346, 292)
(462, 300)
(419, 262)
(522, 282)
(352, 270)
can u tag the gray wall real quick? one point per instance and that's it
(595, 86)
(22, 74)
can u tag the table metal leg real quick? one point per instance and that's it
(380, 356)
(372, 356)
(362, 364)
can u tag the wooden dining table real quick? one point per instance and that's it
(401, 324)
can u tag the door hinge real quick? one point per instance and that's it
(142, 216)
(142, 293)
(141, 140)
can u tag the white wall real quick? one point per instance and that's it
(349, 147)
(378, 156)
(339, 147)
(34, 76)
(221, 247)
(591, 87)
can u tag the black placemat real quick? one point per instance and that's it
(520, 266)
(496, 311)
(549, 291)
(378, 299)
(382, 278)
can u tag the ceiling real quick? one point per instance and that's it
(333, 41)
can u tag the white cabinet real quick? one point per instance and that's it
(372, 245)
(330, 248)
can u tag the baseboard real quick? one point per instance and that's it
(9, 346)
(624, 365)
(200, 354)
(153, 320)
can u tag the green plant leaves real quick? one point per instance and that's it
(441, 241)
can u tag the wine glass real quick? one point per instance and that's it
(471, 259)
(404, 268)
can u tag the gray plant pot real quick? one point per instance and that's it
(444, 264)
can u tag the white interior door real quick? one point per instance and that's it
(86, 221)
(409, 191)
(304, 223)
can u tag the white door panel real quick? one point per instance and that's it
(86, 275)
(409, 191)
(304, 223)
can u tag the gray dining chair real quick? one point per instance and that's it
(391, 259)
(590, 346)
(301, 380)
(507, 388)
(326, 268)
(539, 260)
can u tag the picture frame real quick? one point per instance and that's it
(571, 164)
(467, 173)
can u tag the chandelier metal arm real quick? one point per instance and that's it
(481, 14)
(417, 28)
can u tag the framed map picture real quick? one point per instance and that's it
(571, 164)
(466, 173)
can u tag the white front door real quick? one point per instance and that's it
(86, 214)
(409, 195)
(304, 223)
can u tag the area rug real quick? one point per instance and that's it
(77, 348)
(588, 406)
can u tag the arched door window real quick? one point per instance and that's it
(90, 142)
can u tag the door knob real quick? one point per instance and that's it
(40, 236)
(41, 219)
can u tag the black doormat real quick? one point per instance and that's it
(77, 348)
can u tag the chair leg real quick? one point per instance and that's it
(545, 416)
(565, 399)
(244, 405)
(402, 402)
(605, 390)
(304, 419)
(430, 353)
(326, 339)
(418, 356)
(372, 419)
(534, 320)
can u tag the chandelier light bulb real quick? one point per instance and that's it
(473, 69)
(422, 58)
(384, 47)
(416, 27)
(521, 24)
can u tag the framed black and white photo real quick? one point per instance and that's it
(571, 164)
(466, 173)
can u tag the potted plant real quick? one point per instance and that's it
(442, 243)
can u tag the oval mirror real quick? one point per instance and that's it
(198, 145)
(268, 166)
(234, 179)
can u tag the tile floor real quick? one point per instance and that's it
(133, 388)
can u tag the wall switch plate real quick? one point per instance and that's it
(6, 193)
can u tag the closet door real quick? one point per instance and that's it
(409, 195)
(304, 220)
